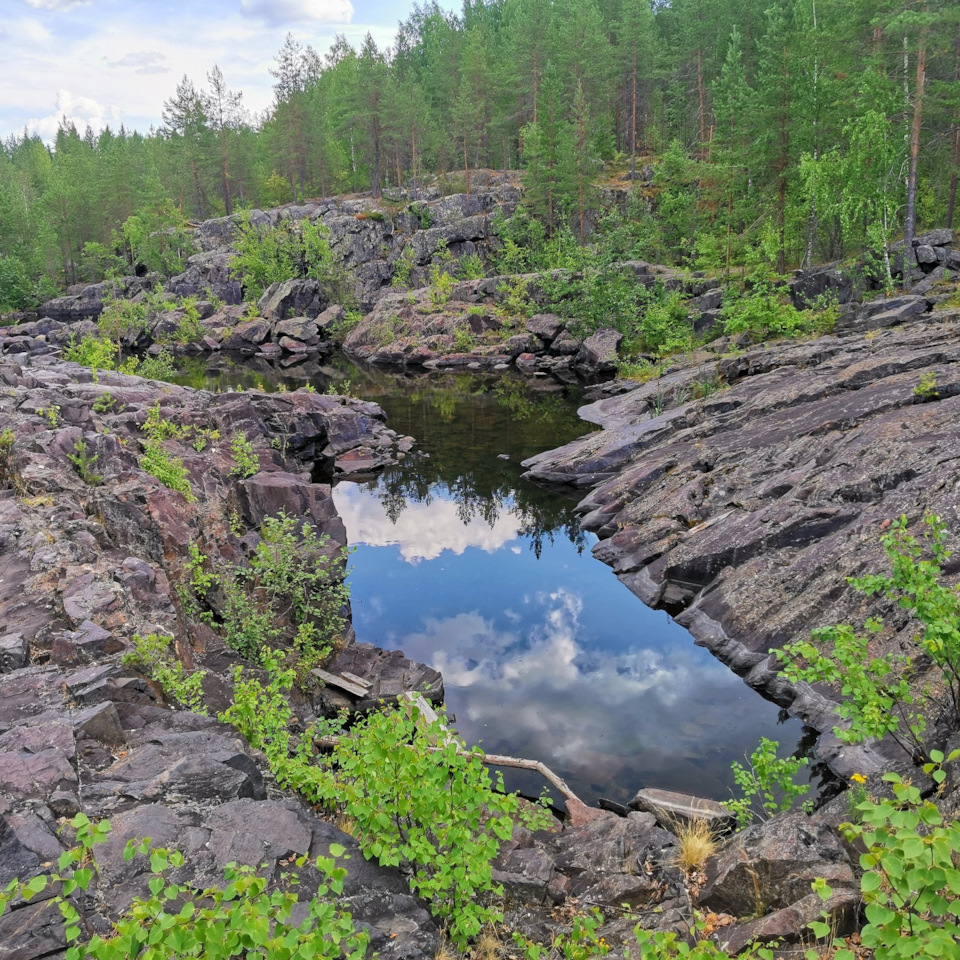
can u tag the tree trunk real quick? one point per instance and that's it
(910, 217)
(955, 152)
(701, 94)
(633, 117)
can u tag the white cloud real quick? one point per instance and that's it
(422, 531)
(80, 111)
(58, 5)
(112, 54)
(298, 11)
(142, 61)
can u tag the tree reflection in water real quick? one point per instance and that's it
(453, 417)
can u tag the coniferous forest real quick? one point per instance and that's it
(777, 132)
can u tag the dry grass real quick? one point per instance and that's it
(444, 950)
(346, 823)
(489, 946)
(697, 845)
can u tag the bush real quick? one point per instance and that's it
(911, 880)
(418, 798)
(767, 787)
(291, 591)
(244, 918)
(152, 656)
(878, 698)
(765, 311)
(266, 255)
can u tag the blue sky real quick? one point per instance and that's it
(103, 62)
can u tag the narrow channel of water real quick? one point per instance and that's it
(545, 654)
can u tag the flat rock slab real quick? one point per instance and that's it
(749, 509)
(676, 809)
(389, 673)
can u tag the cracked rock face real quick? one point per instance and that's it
(84, 567)
(747, 510)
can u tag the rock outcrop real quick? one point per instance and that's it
(745, 511)
(86, 562)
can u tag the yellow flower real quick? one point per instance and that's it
(858, 778)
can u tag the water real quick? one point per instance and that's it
(545, 654)
(465, 566)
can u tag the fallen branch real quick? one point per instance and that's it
(488, 759)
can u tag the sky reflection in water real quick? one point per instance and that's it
(544, 653)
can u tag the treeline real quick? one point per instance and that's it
(781, 131)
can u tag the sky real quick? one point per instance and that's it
(107, 62)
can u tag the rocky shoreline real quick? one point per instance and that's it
(739, 490)
(745, 511)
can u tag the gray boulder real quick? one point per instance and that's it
(291, 298)
(598, 354)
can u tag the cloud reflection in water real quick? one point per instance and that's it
(548, 658)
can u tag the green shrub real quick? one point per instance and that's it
(291, 591)
(266, 255)
(152, 656)
(125, 318)
(84, 462)
(168, 469)
(104, 403)
(463, 339)
(767, 787)
(766, 312)
(878, 698)
(9, 474)
(244, 919)
(911, 879)
(418, 797)
(156, 461)
(189, 328)
(97, 353)
(470, 268)
(246, 461)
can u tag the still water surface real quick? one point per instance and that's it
(545, 654)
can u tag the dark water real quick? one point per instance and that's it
(487, 578)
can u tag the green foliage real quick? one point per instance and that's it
(104, 403)
(246, 461)
(159, 366)
(266, 255)
(276, 190)
(9, 474)
(156, 237)
(152, 656)
(878, 697)
(911, 880)
(423, 213)
(84, 462)
(168, 469)
(926, 389)
(513, 300)
(463, 340)
(51, 414)
(156, 461)
(189, 329)
(470, 268)
(122, 319)
(403, 269)
(249, 917)
(291, 591)
(97, 353)
(582, 942)
(765, 311)
(664, 324)
(15, 287)
(767, 787)
(441, 283)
